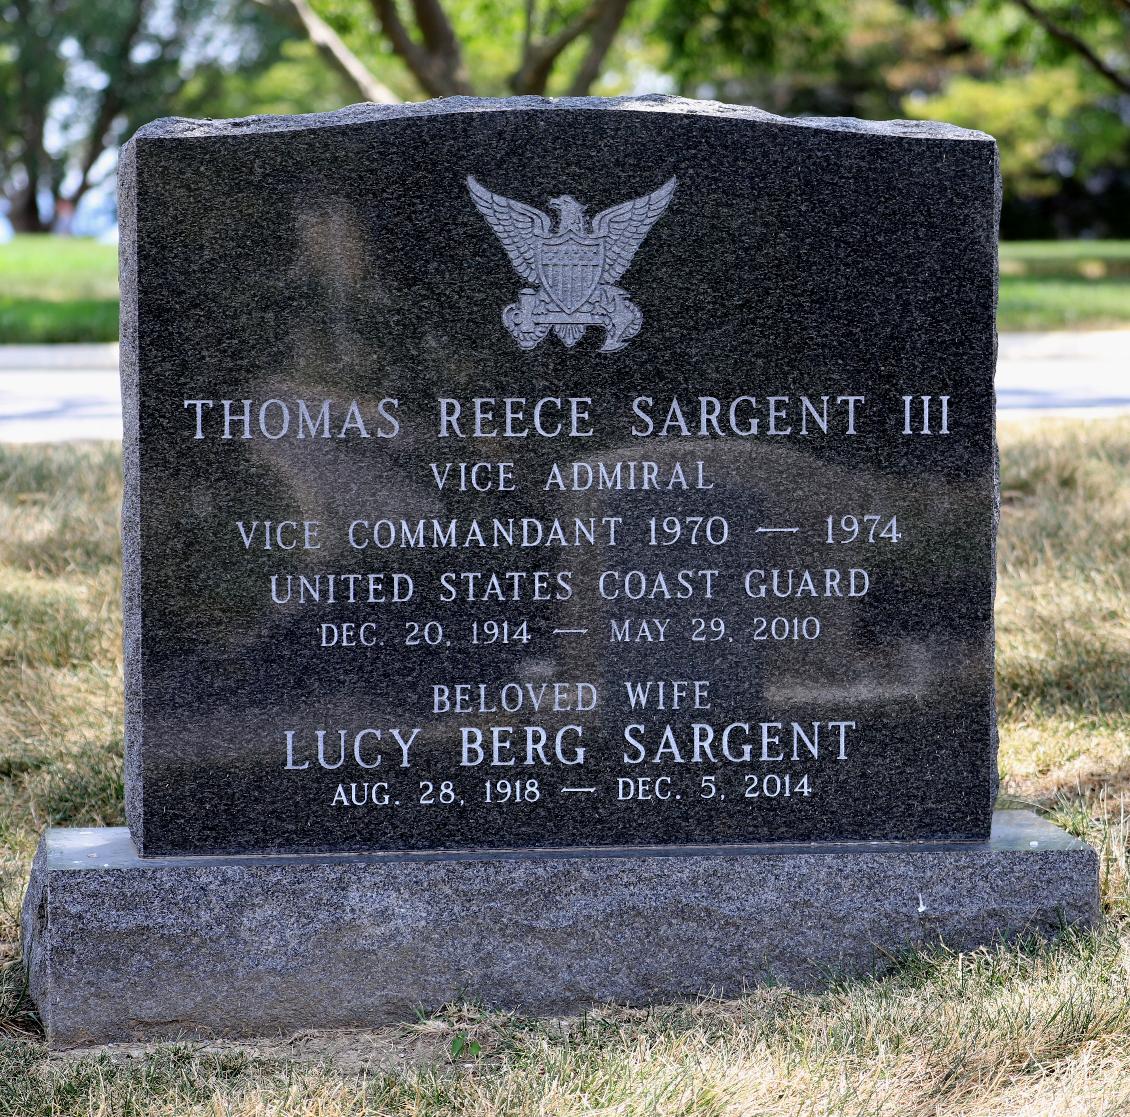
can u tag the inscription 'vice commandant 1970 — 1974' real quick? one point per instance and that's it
(711, 565)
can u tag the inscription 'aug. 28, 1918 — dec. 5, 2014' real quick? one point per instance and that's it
(705, 557)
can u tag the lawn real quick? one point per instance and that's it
(1034, 1030)
(56, 289)
(1064, 285)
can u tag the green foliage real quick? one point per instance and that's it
(297, 81)
(985, 64)
(810, 56)
(354, 21)
(491, 33)
(712, 40)
(1048, 122)
(1046, 83)
(77, 78)
(1004, 32)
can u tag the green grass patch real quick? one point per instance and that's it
(1063, 304)
(58, 289)
(1029, 1030)
(1066, 256)
(59, 268)
(1064, 285)
(41, 322)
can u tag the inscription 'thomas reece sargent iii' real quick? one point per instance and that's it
(518, 417)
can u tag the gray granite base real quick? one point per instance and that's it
(119, 948)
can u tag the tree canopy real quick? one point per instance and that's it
(1050, 78)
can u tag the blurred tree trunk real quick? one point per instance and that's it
(300, 16)
(436, 62)
(78, 76)
(32, 99)
(111, 102)
(39, 80)
(604, 30)
(432, 52)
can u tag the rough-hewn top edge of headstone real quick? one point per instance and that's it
(367, 112)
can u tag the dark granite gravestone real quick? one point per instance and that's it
(503, 478)
(565, 529)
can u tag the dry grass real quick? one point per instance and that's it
(1034, 1030)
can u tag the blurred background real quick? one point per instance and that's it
(1020, 1031)
(1049, 78)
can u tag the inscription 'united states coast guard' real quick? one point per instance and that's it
(576, 267)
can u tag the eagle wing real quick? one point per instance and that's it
(519, 227)
(625, 226)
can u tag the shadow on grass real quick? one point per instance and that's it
(991, 965)
(1083, 672)
(84, 790)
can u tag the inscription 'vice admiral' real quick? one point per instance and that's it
(576, 267)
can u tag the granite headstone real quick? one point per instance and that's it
(506, 478)
(560, 528)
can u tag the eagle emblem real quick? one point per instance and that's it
(575, 266)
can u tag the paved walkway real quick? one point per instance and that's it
(1085, 374)
(57, 393)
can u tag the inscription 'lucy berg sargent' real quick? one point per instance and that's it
(531, 746)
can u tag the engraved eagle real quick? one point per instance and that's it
(575, 266)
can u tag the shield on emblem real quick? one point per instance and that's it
(570, 266)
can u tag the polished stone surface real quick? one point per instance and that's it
(124, 948)
(800, 274)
